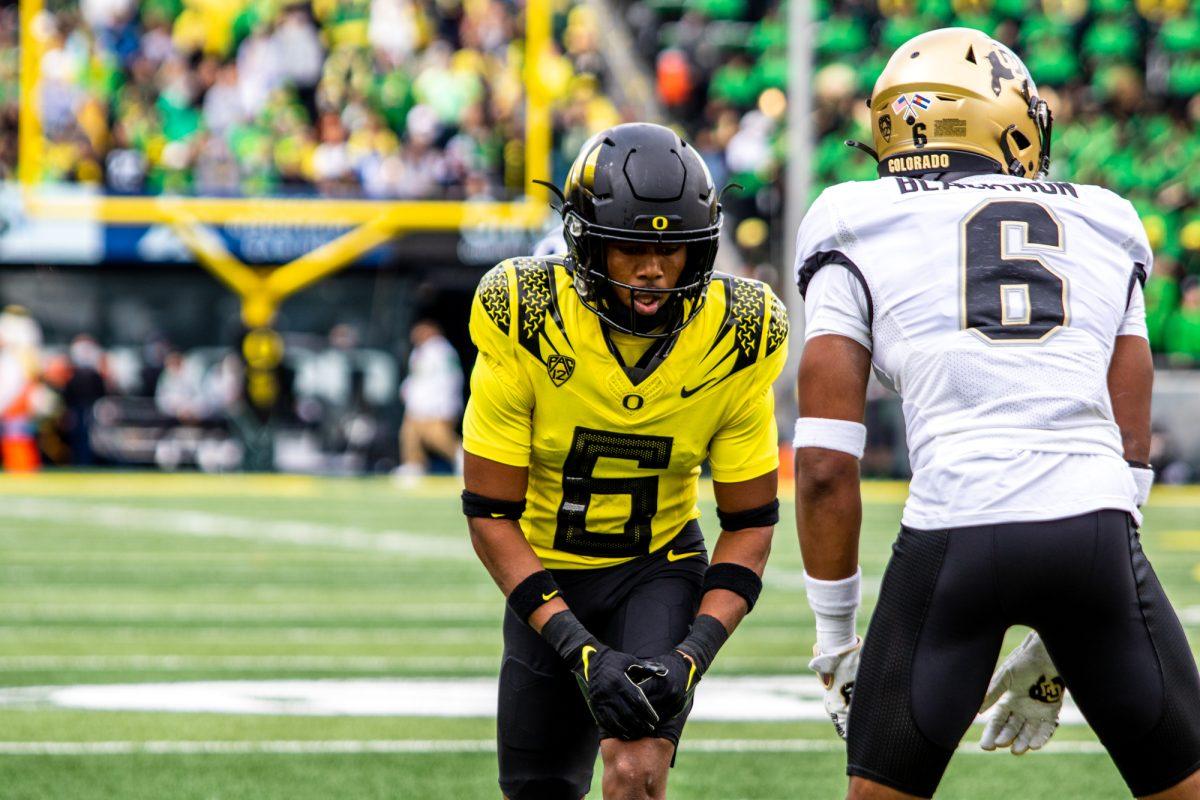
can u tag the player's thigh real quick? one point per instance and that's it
(657, 613)
(927, 658)
(1127, 662)
(546, 738)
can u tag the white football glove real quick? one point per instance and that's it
(837, 671)
(1030, 694)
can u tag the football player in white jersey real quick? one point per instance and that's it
(1007, 312)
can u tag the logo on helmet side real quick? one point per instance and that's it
(885, 127)
(1000, 71)
(659, 223)
(560, 368)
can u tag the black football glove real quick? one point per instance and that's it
(611, 684)
(609, 679)
(680, 669)
(673, 686)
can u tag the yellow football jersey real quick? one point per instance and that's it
(613, 463)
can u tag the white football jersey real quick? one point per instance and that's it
(991, 304)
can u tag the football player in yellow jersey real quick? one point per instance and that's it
(605, 379)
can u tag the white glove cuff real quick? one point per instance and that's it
(831, 434)
(1143, 478)
(835, 606)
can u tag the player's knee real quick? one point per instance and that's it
(633, 775)
(863, 789)
(543, 789)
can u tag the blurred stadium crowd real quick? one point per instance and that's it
(1122, 77)
(377, 98)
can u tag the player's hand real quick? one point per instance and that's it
(1028, 693)
(837, 671)
(673, 684)
(611, 684)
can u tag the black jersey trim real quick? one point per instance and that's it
(1138, 277)
(813, 264)
(650, 360)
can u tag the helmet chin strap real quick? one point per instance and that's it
(1011, 162)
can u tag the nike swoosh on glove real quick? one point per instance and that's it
(837, 672)
(609, 680)
(1028, 694)
(672, 688)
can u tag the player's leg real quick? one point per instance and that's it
(864, 789)
(1186, 789)
(636, 770)
(412, 452)
(660, 601)
(546, 738)
(1123, 654)
(927, 658)
(441, 439)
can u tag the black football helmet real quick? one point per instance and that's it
(640, 183)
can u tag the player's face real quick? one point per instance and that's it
(653, 266)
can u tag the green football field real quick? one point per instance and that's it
(300, 624)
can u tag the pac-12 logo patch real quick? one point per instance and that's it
(560, 368)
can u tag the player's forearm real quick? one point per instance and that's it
(509, 559)
(828, 512)
(748, 548)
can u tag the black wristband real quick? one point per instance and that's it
(532, 593)
(1138, 464)
(703, 641)
(476, 505)
(761, 517)
(737, 579)
(566, 635)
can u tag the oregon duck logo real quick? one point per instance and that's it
(659, 223)
(560, 368)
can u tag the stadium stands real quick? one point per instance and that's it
(377, 98)
(1123, 79)
(417, 99)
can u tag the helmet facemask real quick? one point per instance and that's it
(588, 247)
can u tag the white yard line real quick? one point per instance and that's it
(779, 698)
(432, 746)
(209, 525)
(174, 663)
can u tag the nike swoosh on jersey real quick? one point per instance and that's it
(550, 596)
(673, 556)
(686, 392)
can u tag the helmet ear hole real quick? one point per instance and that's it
(1021, 140)
(971, 55)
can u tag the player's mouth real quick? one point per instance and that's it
(647, 302)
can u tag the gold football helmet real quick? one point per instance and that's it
(951, 97)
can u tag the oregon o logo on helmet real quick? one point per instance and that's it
(659, 223)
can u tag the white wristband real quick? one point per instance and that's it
(1142, 478)
(831, 434)
(835, 605)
